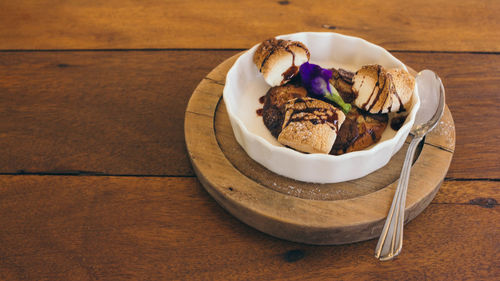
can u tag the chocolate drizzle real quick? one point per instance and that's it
(359, 130)
(386, 95)
(379, 68)
(266, 58)
(273, 45)
(346, 75)
(290, 72)
(401, 105)
(262, 99)
(342, 81)
(383, 93)
(380, 88)
(315, 115)
(275, 100)
(397, 122)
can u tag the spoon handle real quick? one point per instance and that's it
(391, 239)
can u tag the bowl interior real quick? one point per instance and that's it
(246, 85)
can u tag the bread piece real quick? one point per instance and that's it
(273, 112)
(379, 90)
(279, 60)
(342, 81)
(310, 125)
(359, 131)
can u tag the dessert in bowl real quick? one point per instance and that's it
(248, 84)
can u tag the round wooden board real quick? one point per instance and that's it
(303, 212)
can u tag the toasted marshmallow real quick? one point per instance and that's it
(404, 84)
(275, 100)
(381, 91)
(310, 125)
(279, 60)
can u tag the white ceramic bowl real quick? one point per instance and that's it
(245, 85)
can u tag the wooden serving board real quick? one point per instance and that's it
(303, 212)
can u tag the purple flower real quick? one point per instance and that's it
(316, 80)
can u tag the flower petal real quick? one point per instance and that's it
(315, 79)
(318, 86)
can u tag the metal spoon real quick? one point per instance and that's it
(431, 93)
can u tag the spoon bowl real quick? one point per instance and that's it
(431, 91)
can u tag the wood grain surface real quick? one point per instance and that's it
(102, 228)
(123, 112)
(98, 112)
(429, 25)
(112, 195)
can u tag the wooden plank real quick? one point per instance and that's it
(467, 191)
(104, 112)
(413, 25)
(72, 228)
(123, 112)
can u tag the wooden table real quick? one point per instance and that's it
(95, 180)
